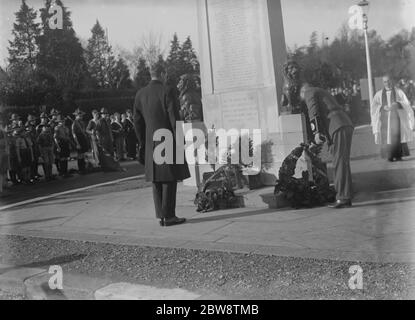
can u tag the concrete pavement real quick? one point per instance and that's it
(379, 228)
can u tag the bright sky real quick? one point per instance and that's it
(129, 20)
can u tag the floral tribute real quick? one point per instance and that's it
(301, 192)
(217, 192)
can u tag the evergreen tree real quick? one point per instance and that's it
(60, 59)
(23, 48)
(189, 59)
(20, 85)
(142, 77)
(182, 59)
(313, 46)
(398, 55)
(122, 75)
(100, 58)
(174, 61)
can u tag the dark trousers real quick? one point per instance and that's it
(63, 167)
(34, 167)
(131, 142)
(164, 195)
(342, 143)
(81, 165)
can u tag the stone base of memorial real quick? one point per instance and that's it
(292, 134)
(196, 170)
(242, 52)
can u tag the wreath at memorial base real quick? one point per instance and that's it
(300, 192)
(217, 192)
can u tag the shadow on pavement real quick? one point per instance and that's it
(232, 215)
(30, 221)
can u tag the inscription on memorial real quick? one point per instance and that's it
(237, 43)
(240, 110)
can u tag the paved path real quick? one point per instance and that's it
(380, 227)
(44, 188)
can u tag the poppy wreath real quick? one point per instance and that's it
(217, 191)
(300, 192)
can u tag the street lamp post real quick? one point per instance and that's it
(365, 7)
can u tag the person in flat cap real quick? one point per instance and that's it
(81, 138)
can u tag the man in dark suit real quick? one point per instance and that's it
(330, 123)
(156, 108)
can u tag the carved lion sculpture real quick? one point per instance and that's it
(291, 101)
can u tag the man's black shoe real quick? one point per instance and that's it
(340, 204)
(171, 221)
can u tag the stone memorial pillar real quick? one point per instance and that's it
(242, 51)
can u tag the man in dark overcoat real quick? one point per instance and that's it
(329, 122)
(156, 110)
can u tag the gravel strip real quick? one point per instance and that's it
(10, 296)
(233, 275)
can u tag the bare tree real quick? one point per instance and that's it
(153, 48)
(131, 57)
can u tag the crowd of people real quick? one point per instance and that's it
(408, 87)
(349, 97)
(53, 140)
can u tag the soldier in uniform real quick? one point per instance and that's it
(81, 139)
(329, 122)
